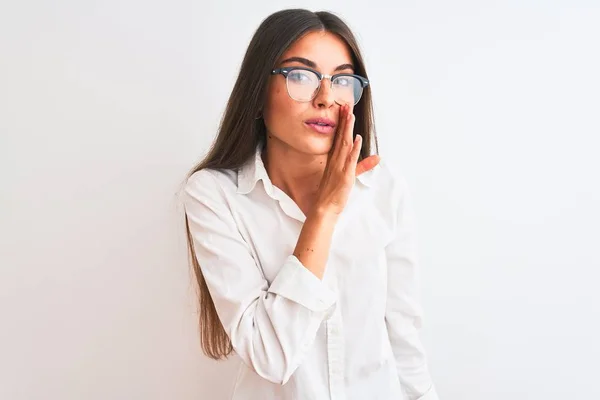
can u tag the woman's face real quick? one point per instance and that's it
(289, 121)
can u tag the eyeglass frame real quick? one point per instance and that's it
(364, 82)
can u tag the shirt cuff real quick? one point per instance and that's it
(296, 283)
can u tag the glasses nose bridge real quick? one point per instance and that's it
(320, 87)
(330, 90)
(325, 76)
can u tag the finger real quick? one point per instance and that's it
(351, 120)
(349, 127)
(337, 140)
(355, 153)
(347, 138)
(367, 164)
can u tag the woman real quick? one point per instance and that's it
(302, 242)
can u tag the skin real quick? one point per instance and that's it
(316, 170)
(296, 156)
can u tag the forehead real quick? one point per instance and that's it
(326, 49)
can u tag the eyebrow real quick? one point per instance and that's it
(313, 64)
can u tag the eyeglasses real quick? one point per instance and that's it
(303, 84)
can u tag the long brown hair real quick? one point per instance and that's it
(240, 132)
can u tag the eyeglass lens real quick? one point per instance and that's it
(303, 85)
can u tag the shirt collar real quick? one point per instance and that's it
(254, 170)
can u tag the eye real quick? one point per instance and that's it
(344, 81)
(301, 77)
(298, 77)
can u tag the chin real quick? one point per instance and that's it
(316, 147)
(307, 143)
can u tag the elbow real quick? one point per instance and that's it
(273, 369)
(271, 362)
(277, 378)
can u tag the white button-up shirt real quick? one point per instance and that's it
(352, 335)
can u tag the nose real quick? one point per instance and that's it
(325, 97)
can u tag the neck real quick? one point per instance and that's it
(296, 174)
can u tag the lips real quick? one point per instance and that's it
(321, 125)
(321, 122)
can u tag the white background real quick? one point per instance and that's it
(491, 109)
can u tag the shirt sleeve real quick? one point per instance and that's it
(403, 310)
(271, 327)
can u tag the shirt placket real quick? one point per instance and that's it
(335, 348)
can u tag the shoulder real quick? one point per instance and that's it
(383, 198)
(388, 181)
(209, 183)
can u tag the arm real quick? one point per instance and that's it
(270, 327)
(314, 242)
(403, 310)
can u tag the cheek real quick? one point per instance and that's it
(281, 109)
